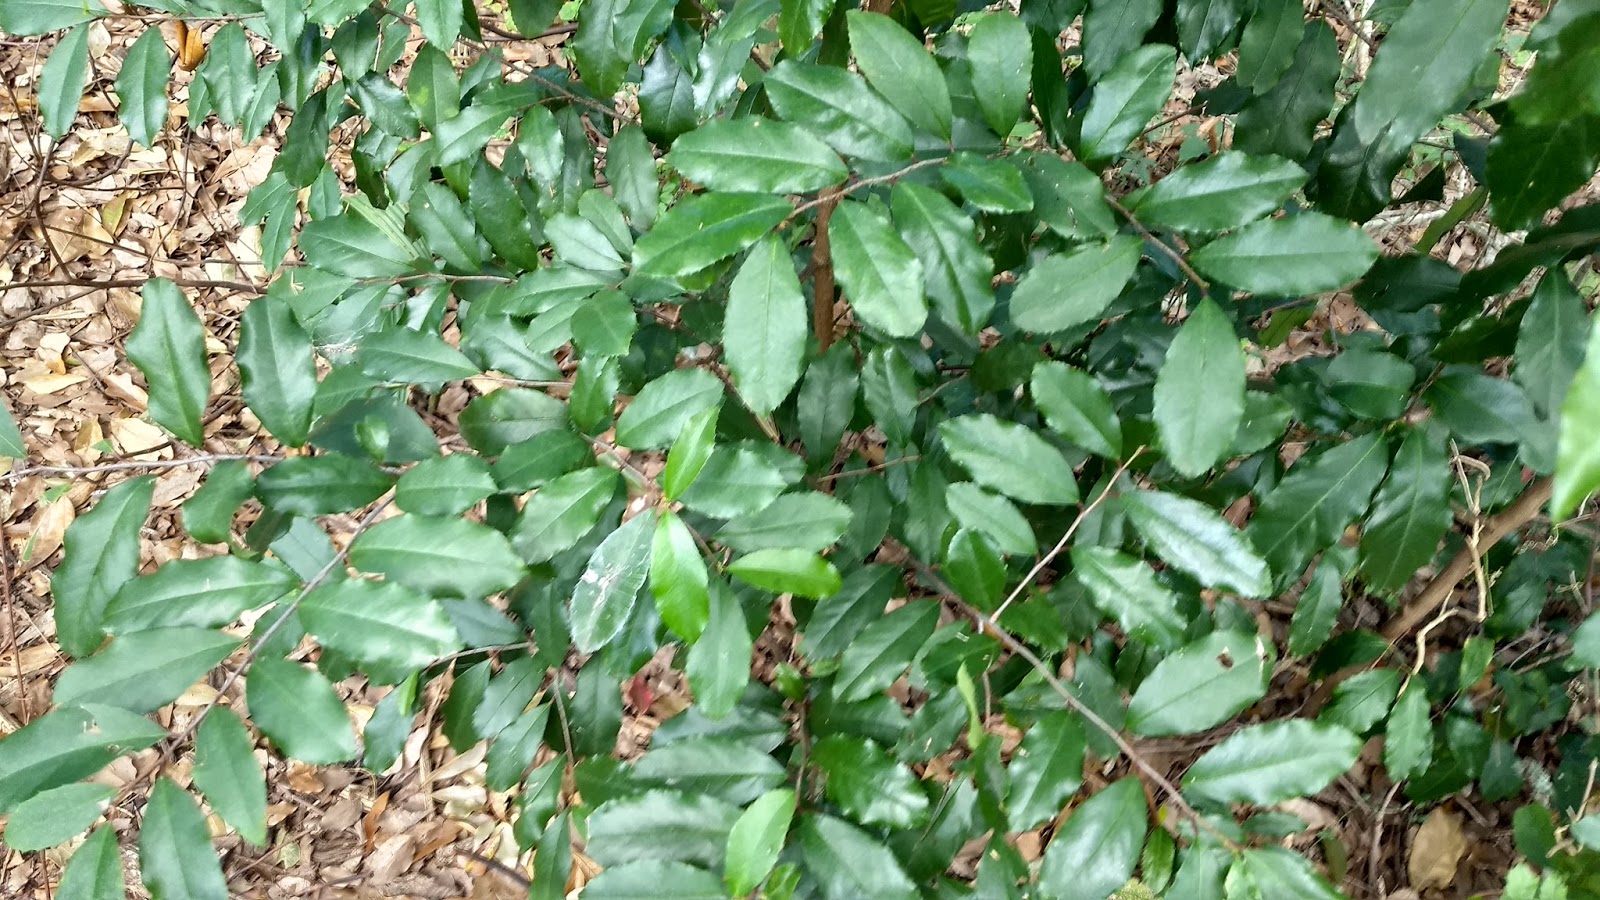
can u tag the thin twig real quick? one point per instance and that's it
(1176, 257)
(847, 190)
(205, 459)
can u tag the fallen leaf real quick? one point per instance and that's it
(1436, 850)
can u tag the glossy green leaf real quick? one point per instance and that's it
(176, 860)
(1205, 27)
(1532, 168)
(201, 592)
(604, 597)
(1069, 289)
(661, 824)
(350, 245)
(101, 554)
(662, 408)
(1193, 537)
(837, 619)
(827, 400)
(786, 570)
(61, 82)
(755, 154)
(1578, 449)
(319, 485)
(1226, 191)
(1002, 58)
(719, 662)
(404, 356)
(734, 482)
(1309, 508)
(441, 556)
(227, 773)
(867, 785)
(837, 106)
(95, 870)
(989, 185)
(890, 390)
(882, 277)
(678, 578)
(849, 862)
(579, 242)
(168, 345)
(631, 170)
(1478, 408)
(765, 328)
(277, 371)
(901, 69)
(1095, 852)
(26, 18)
(1112, 29)
(808, 522)
(993, 516)
(494, 422)
(144, 671)
(1126, 588)
(1009, 458)
(1202, 684)
(721, 767)
(1132, 93)
(1067, 197)
(956, 271)
(1550, 342)
(56, 816)
(654, 880)
(1317, 610)
(1273, 762)
(1370, 383)
(1408, 739)
(690, 451)
(444, 485)
(1410, 512)
(297, 709)
(516, 747)
(1076, 407)
(799, 21)
(387, 628)
(1308, 253)
(1045, 772)
(880, 653)
(66, 744)
(1267, 46)
(440, 21)
(463, 136)
(612, 37)
(507, 696)
(704, 229)
(756, 840)
(1199, 393)
(1283, 119)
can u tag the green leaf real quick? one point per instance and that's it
(1076, 407)
(501, 216)
(10, 436)
(95, 870)
(1550, 342)
(1370, 383)
(654, 880)
(837, 106)
(440, 21)
(1578, 448)
(1361, 700)
(719, 662)
(881, 275)
(1310, 508)
(881, 652)
(144, 671)
(721, 767)
(848, 862)
(297, 709)
(507, 696)
(1200, 391)
(1045, 771)
(66, 744)
(631, 170)
(1191, 536)
(1318, 607)
(889, 388)
(496, 421)
(809, 522)
(1095, 852)
(169, 347)
(1096, 273)
(756, 840)
(1532, 168)
(208, 513)
(990, 185)
(320, 485)
(540, 460)
(26, 18)
(449, 557)
(462, 136)
(837, 619)
(1226, 191)
(867, 785)
(1308, 253)
(765, 328)
(662, 408)
(612, 36)
(734, 482)
(515, 748)
(661, 824)
(900, 68)
(176, 860)
(786, 570)
(1001, 55)
(1480, 409)
(1204, 26)
(799, 21)
(56, 816)
(1273, 762)
(404, 356)
(705, 229)
(1127, 589)
(604, 597)
(444, 485)
(61, 82)
(226, 772)
(579, 242)
(387, 628)
(277, 370)
(1010, 458)
(956, 271)
(1112, 29)
(827, 400)
(1267, 47)
(1410, 513)
(350, 245)
(756, 154)
(1408, 739)
(101, 554)
(678, 578)
(1202, 685)
(1067, 197)
(1131, 94)
(1283, 119)
(690, 451)
(201, 592)
(1426, 63)
(993, 516)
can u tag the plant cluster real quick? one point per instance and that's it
(843, 329)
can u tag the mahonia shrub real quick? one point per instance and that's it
(878, 335)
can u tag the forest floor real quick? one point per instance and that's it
(85, 221)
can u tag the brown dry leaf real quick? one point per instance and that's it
(49, 526)
(1436, 850)
(30, 660)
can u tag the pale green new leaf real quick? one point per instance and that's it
(176, 860)
(765, 328)
(227, 773)
(756, 840)
(690, 452)
(787, 570)
(604, 597)
(678, 578)
(169, 347)
(1578, 448)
